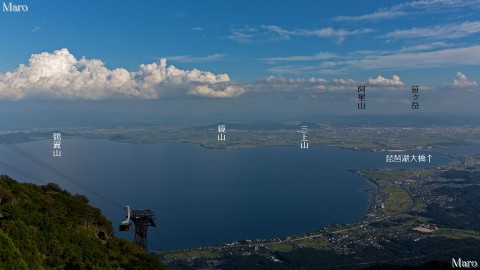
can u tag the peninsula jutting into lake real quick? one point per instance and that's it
(261, 208)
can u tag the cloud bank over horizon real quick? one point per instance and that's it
(60, 75)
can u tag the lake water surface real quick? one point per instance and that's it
(210, 196)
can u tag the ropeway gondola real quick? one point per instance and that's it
(125, 225)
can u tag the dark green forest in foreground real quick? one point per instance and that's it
(45, 227)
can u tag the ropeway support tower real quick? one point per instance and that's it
(142, 220)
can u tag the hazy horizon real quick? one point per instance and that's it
(284, 59)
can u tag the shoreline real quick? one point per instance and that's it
(292, 237)
(370, 191)
(378, 198)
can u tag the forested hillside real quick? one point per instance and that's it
(45, 227)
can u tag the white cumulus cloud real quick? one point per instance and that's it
(60, 75)
(212, 91)
(462, 82)
(382, 81)
(319, 85)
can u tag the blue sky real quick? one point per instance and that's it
(220, 49)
